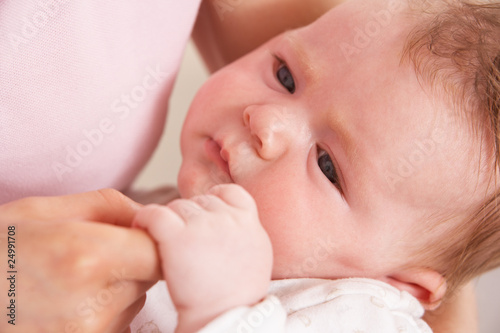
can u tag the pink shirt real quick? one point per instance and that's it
(84, 87)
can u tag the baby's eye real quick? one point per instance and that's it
(326, 166)
(285, 77)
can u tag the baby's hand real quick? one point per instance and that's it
(215, 254)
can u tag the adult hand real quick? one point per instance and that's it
(73, 274)
(215, 254)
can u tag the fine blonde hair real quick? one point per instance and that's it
(456, 46)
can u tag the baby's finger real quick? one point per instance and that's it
(234, 195)
(210, 202)
(187, 209)
(159, 221)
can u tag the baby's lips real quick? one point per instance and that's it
(224, 155)
(221, 174)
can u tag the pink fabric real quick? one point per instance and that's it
(84, 87)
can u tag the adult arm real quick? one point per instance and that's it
(227, 29)
(74, 274)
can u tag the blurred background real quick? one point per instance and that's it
(162, 169)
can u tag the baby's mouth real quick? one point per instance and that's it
(219, 156)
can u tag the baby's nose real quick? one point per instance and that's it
(270, 126)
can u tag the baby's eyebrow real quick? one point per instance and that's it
(295, 43)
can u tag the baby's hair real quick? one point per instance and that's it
(456, 48)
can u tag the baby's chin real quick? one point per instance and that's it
(187, 186)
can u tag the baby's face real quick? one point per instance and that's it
(343, 150)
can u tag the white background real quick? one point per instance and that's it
(162, 169)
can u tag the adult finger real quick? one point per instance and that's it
(128, 254)
(105, 205)
(159, 221)
(131, 253)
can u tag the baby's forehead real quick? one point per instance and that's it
(365, 23)
(358, 36)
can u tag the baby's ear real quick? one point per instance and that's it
(427, 285)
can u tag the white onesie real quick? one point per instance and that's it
(304, 305)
